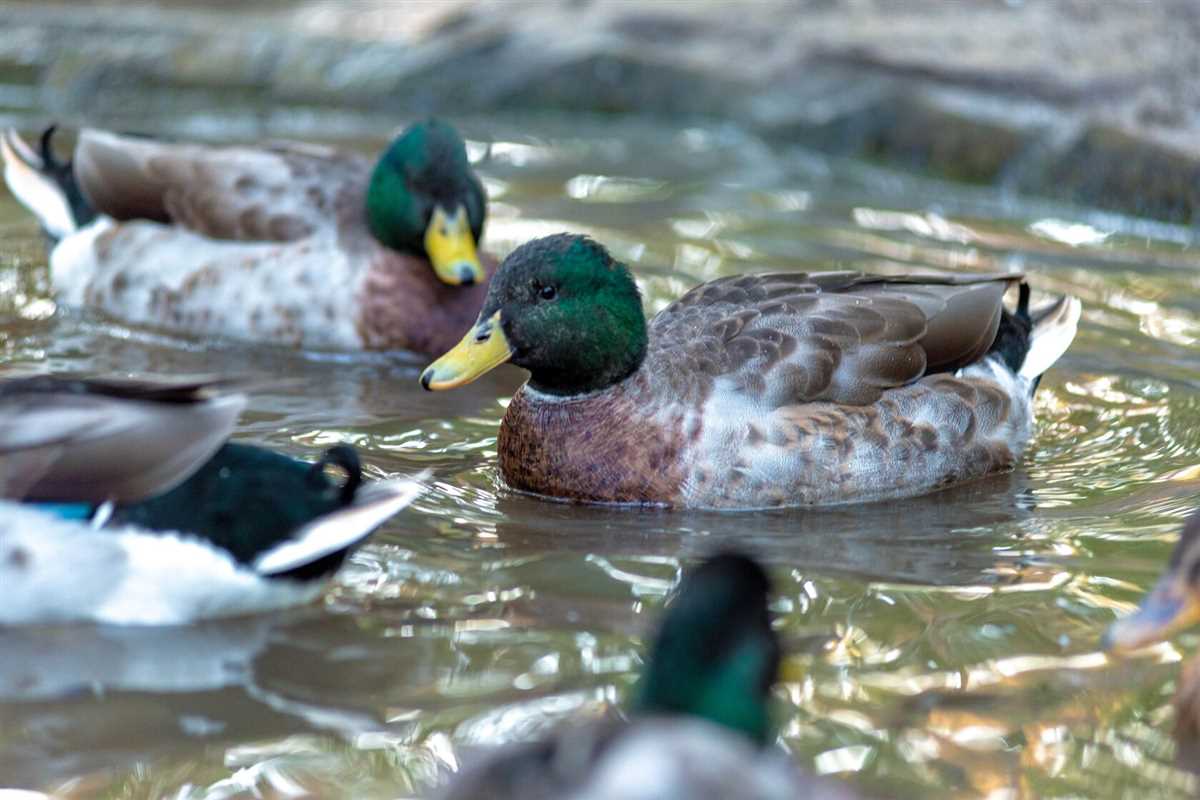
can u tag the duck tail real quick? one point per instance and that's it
(1029, 342)
(318, 548)
(45, 185)
(1053, 329)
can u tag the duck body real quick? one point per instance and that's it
(269, 244)
(57, 570)
(658, 758)
(147, 537)
(777, 390)
(729, 453)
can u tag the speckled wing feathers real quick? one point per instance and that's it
(277, 194)
(842, 337)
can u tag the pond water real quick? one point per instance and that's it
(944, 646)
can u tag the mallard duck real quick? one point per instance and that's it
(1171, 606)
(700, 724)
(123, 503)
(757, 390)
(287, 243)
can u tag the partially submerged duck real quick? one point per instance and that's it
(1171, 606)
(285, 243)
(699, 726)
(757, 390)
(122, 502)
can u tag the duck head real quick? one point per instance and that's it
(716, 656)
(424, 199)
(1172, 605)
(562, 308)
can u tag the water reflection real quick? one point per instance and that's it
(940, 646)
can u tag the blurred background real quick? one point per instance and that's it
(1071, 99)
(945, 646)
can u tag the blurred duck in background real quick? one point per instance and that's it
(700, 725)
(1171, 606)
(124, 503)
(293, 244)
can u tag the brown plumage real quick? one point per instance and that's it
(761, 390)
(777, 390)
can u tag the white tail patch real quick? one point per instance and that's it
(374, 504)
(58, 570)
(1051, 336)
(36, 190)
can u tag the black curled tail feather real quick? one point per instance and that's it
(345, 458)
(63, 175)
(1014, 334)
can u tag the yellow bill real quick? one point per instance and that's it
(1169, 608)
(450, 246)
(483, 348)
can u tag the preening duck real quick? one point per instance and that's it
(285, 243)
(753, 391)
(122, 502)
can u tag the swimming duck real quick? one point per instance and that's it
(1171, 606)
(754, 391)
(123, 503)
(700, 724)
(285, 243)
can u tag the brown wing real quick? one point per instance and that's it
(838, 336)
(279, 193)
(68, 439)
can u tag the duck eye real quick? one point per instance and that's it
(547, 292)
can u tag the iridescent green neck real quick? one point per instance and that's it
(716, 655)
(589, 334)
(394, 214)
(727, 694)
(603, 343)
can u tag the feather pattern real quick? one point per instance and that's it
(92, 440)
(792, 389)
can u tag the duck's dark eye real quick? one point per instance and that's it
(547, 292)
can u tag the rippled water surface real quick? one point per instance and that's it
(945, 646)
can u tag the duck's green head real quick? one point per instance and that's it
(1172, 605)
(716, 656)
(424, 199)
(563, 309)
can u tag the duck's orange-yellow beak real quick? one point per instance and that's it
(1170, 607)
(450, 245)
(483, 349)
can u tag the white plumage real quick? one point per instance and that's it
(57, 570)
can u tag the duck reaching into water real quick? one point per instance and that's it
(121, 502)
(285, 243)
(756, 390)
(700, 724)
(1171, 606)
